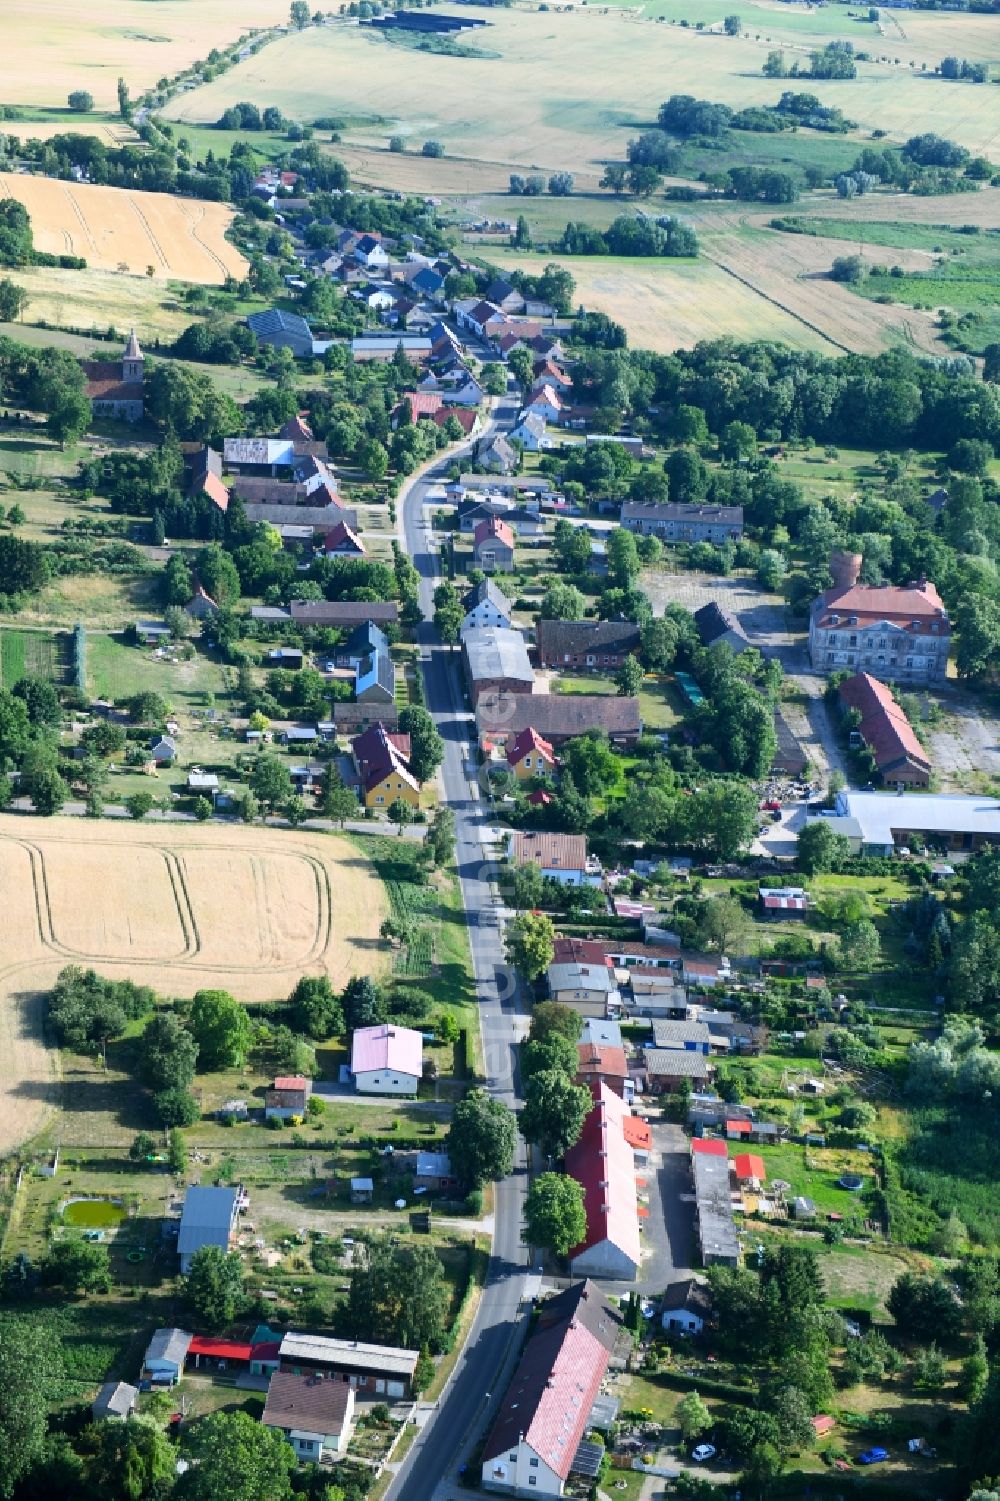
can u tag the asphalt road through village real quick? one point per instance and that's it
(430, 1469)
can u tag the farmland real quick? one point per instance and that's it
(113, 229)
(31, 654)
(60, 46)
(667, 305)
(173, 907)
(529, 107)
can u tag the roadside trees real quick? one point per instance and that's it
(482, 1139)
(554, 1215)
(530, 944)
(554, 1112)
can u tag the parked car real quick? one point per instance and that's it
(703, 1452)
(873, 1456)
(771, 805)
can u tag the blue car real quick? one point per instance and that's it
(873, 1456)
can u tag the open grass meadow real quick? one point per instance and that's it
(92, 301)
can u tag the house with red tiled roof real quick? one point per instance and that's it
(900, 634)
(882, 726)
(708, 1146)
(532, 1446)
(343, 542)
(749, 1170)
(288, 1096)
(599, 1064)
(602, 1162)
(493, 546)
(420, 403)
(528, 755)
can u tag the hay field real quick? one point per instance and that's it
(175, 906)
(667, 305)
(118, 228)
(57, 46)
(98, 300)
(535, 105)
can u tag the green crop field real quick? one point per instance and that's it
(38, 654)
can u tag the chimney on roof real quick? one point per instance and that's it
(845, 568)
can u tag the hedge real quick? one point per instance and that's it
(80, 657)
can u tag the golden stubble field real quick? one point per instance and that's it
(174, 906)
(119, 229)
(565, 90)
(51, 47)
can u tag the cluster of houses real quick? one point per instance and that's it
(311, 1382)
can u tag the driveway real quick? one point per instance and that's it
(763, 616)
(669, 1231)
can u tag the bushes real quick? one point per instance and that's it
(84, 1008)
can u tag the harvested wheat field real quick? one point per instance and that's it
(118, 229)
(666, 305)
(174, 906)
(55, 46)
(562, 91)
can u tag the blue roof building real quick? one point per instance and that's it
(209, 1219)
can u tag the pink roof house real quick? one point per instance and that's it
(387, 1059)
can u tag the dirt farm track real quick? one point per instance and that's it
(117, 229)
(176, 907)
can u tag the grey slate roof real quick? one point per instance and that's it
(714, 622)
(489, 592)
(170, 1345)
(493, 652)
(675, 1063)
(206, 1219)
(570, 637)
(115, 1399)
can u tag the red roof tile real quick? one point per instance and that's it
(709, 1146)
(220, 1349)
(884, 727)
(597, 1059)
(899, 604)
(603, 1165)
(529, 740)
(749, 1165)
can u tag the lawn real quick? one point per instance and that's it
(440, 953)
(116, 670)
(659, 701)
(812, 1173)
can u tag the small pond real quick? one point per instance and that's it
(93, 1214)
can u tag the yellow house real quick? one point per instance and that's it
(528, 755)
(382, 761)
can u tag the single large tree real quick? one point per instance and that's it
(552, 1016)
(482, 1138)
(316, 1007)
(213, 1287)
(426, 745)
(554, 1112)
(168, 1053)
(530, 944)
(236, 1459)
(221, 1028)
(554, 1214)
